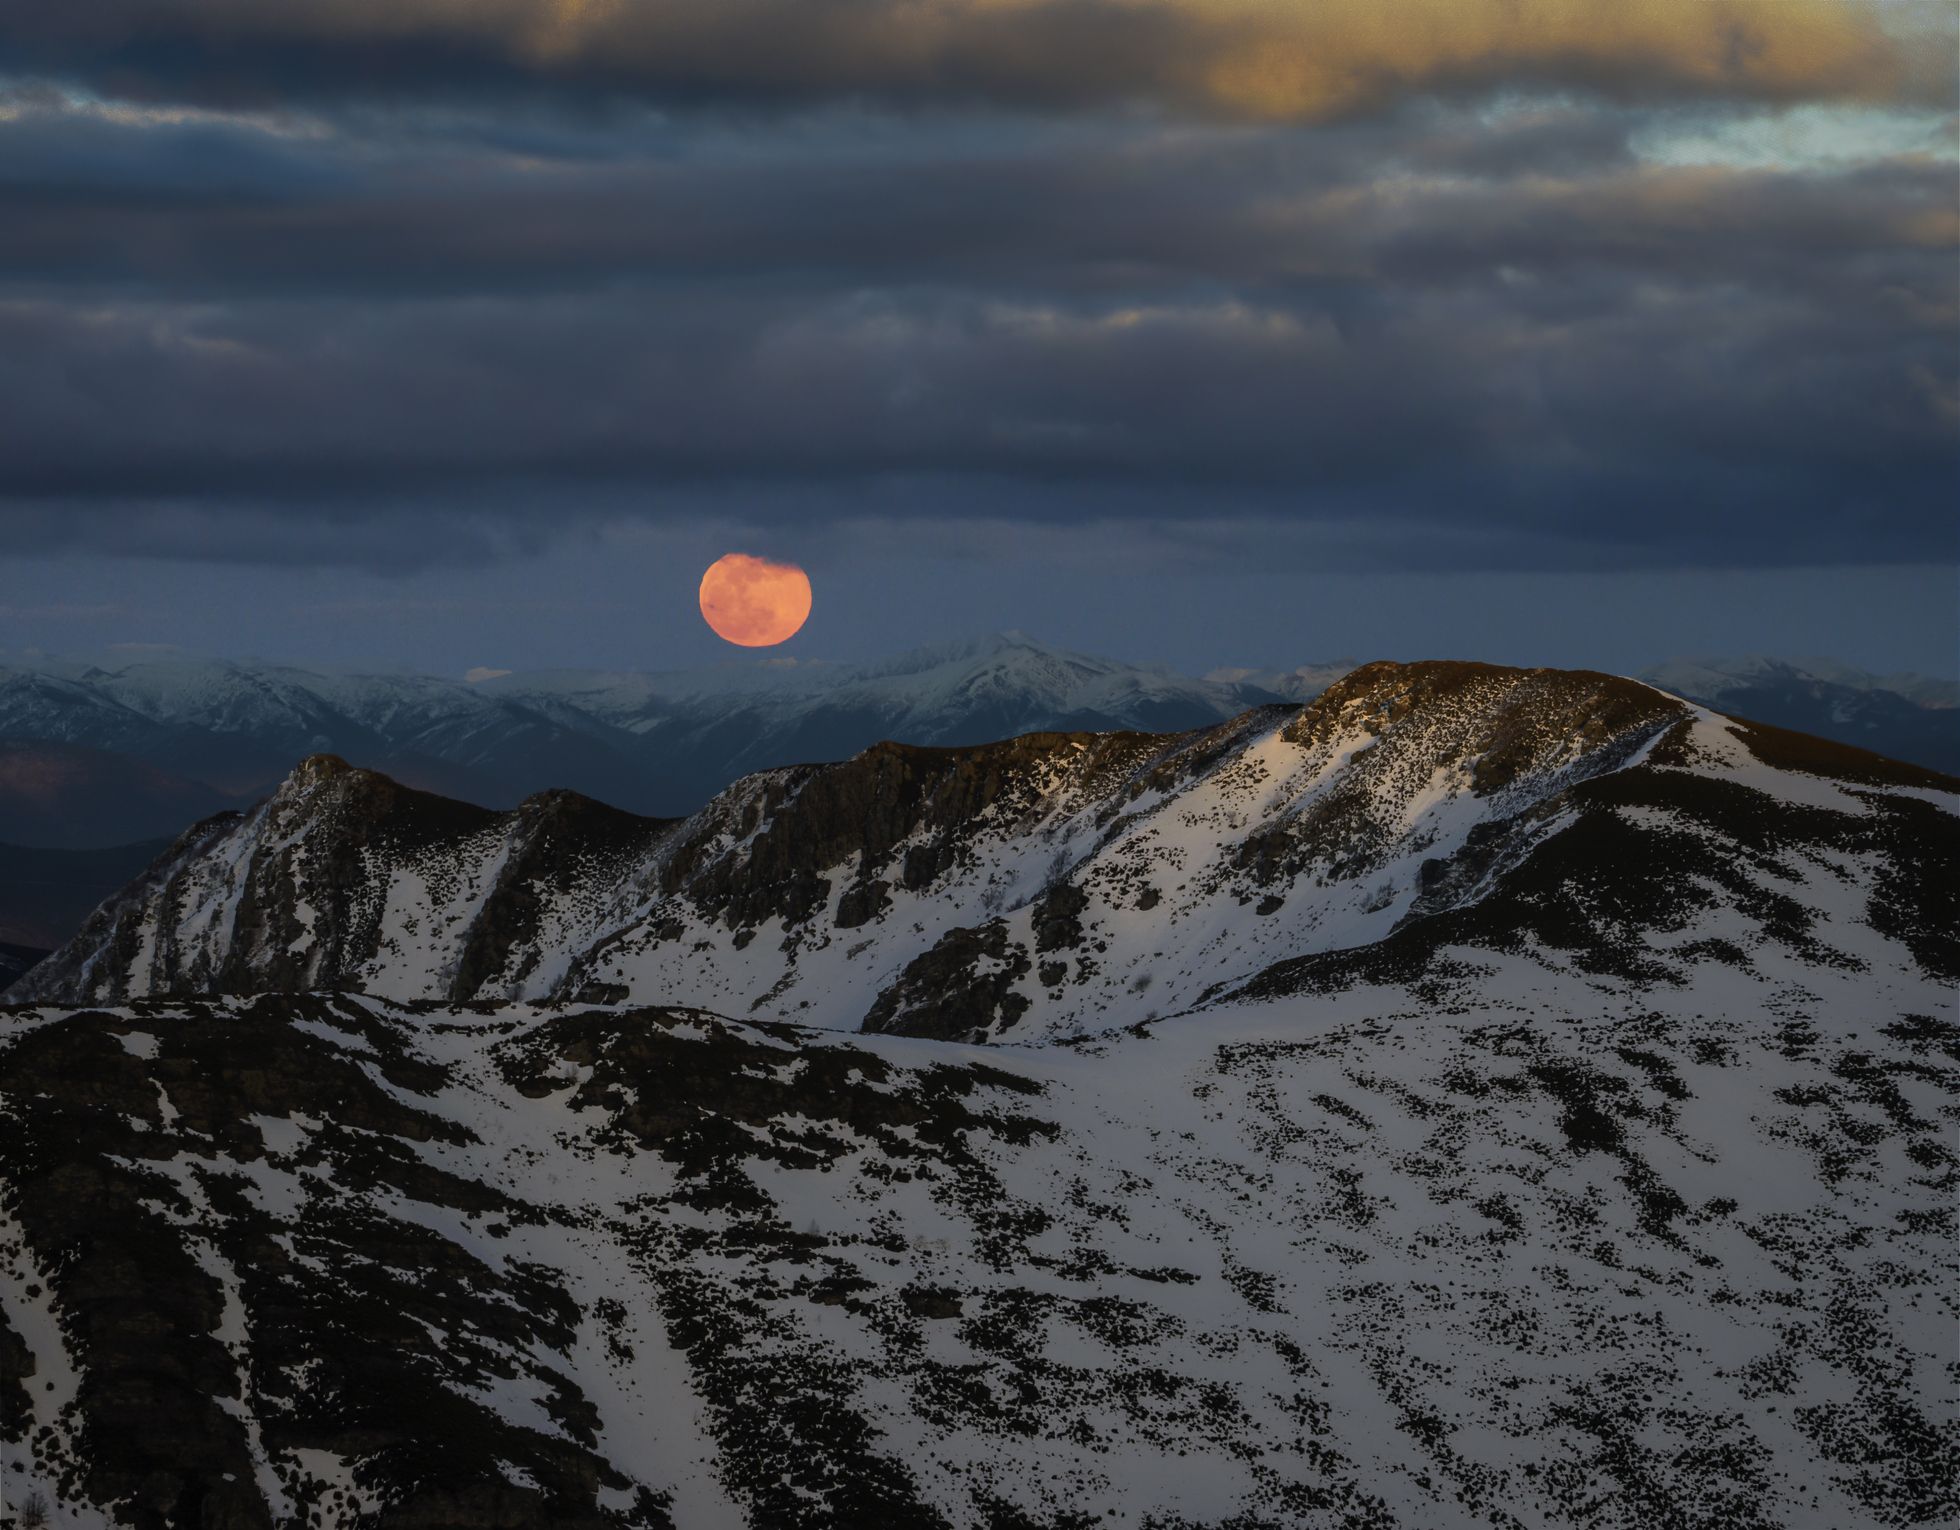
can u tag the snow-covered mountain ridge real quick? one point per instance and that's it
(1052, 884)
(1480, 1097)
(102, 752)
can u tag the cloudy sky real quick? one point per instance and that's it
(455, 332)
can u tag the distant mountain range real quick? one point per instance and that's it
(147, 746)
(1301, 683)
(96, 754)
(1908, 717)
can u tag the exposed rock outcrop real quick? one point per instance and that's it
(1039, 885)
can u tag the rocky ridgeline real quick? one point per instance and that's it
(1050, 884)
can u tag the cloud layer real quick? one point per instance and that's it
(1237, 58)
(456, 275)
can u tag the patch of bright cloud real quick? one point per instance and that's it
(28, 100)
(483, 672)
(1810, 137)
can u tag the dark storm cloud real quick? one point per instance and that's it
(1529, 391)
(190, 208)
(1445, 329)
(201, 213)
(1239, 58)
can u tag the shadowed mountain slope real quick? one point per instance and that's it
(45, 895)
(56, 796)
(1055, 884)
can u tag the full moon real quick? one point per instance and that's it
(753, 601)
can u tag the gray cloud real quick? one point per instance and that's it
(1711, 430)
(1233, 58)
(1430, 199)
(1431, 330)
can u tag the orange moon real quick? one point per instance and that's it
(753, 601)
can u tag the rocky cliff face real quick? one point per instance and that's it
(1482, 1097)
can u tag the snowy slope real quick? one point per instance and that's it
(1053, 884)
(1482, 1097)
(1530, 1252)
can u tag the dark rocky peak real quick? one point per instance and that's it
(577, 821)
(317, 769)
(335, 871)
(360, 801)
(363, 805)
(1509, 722)
(903, 810)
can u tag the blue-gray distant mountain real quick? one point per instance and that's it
(1904, 716)
(659, 743)
(60, 796)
